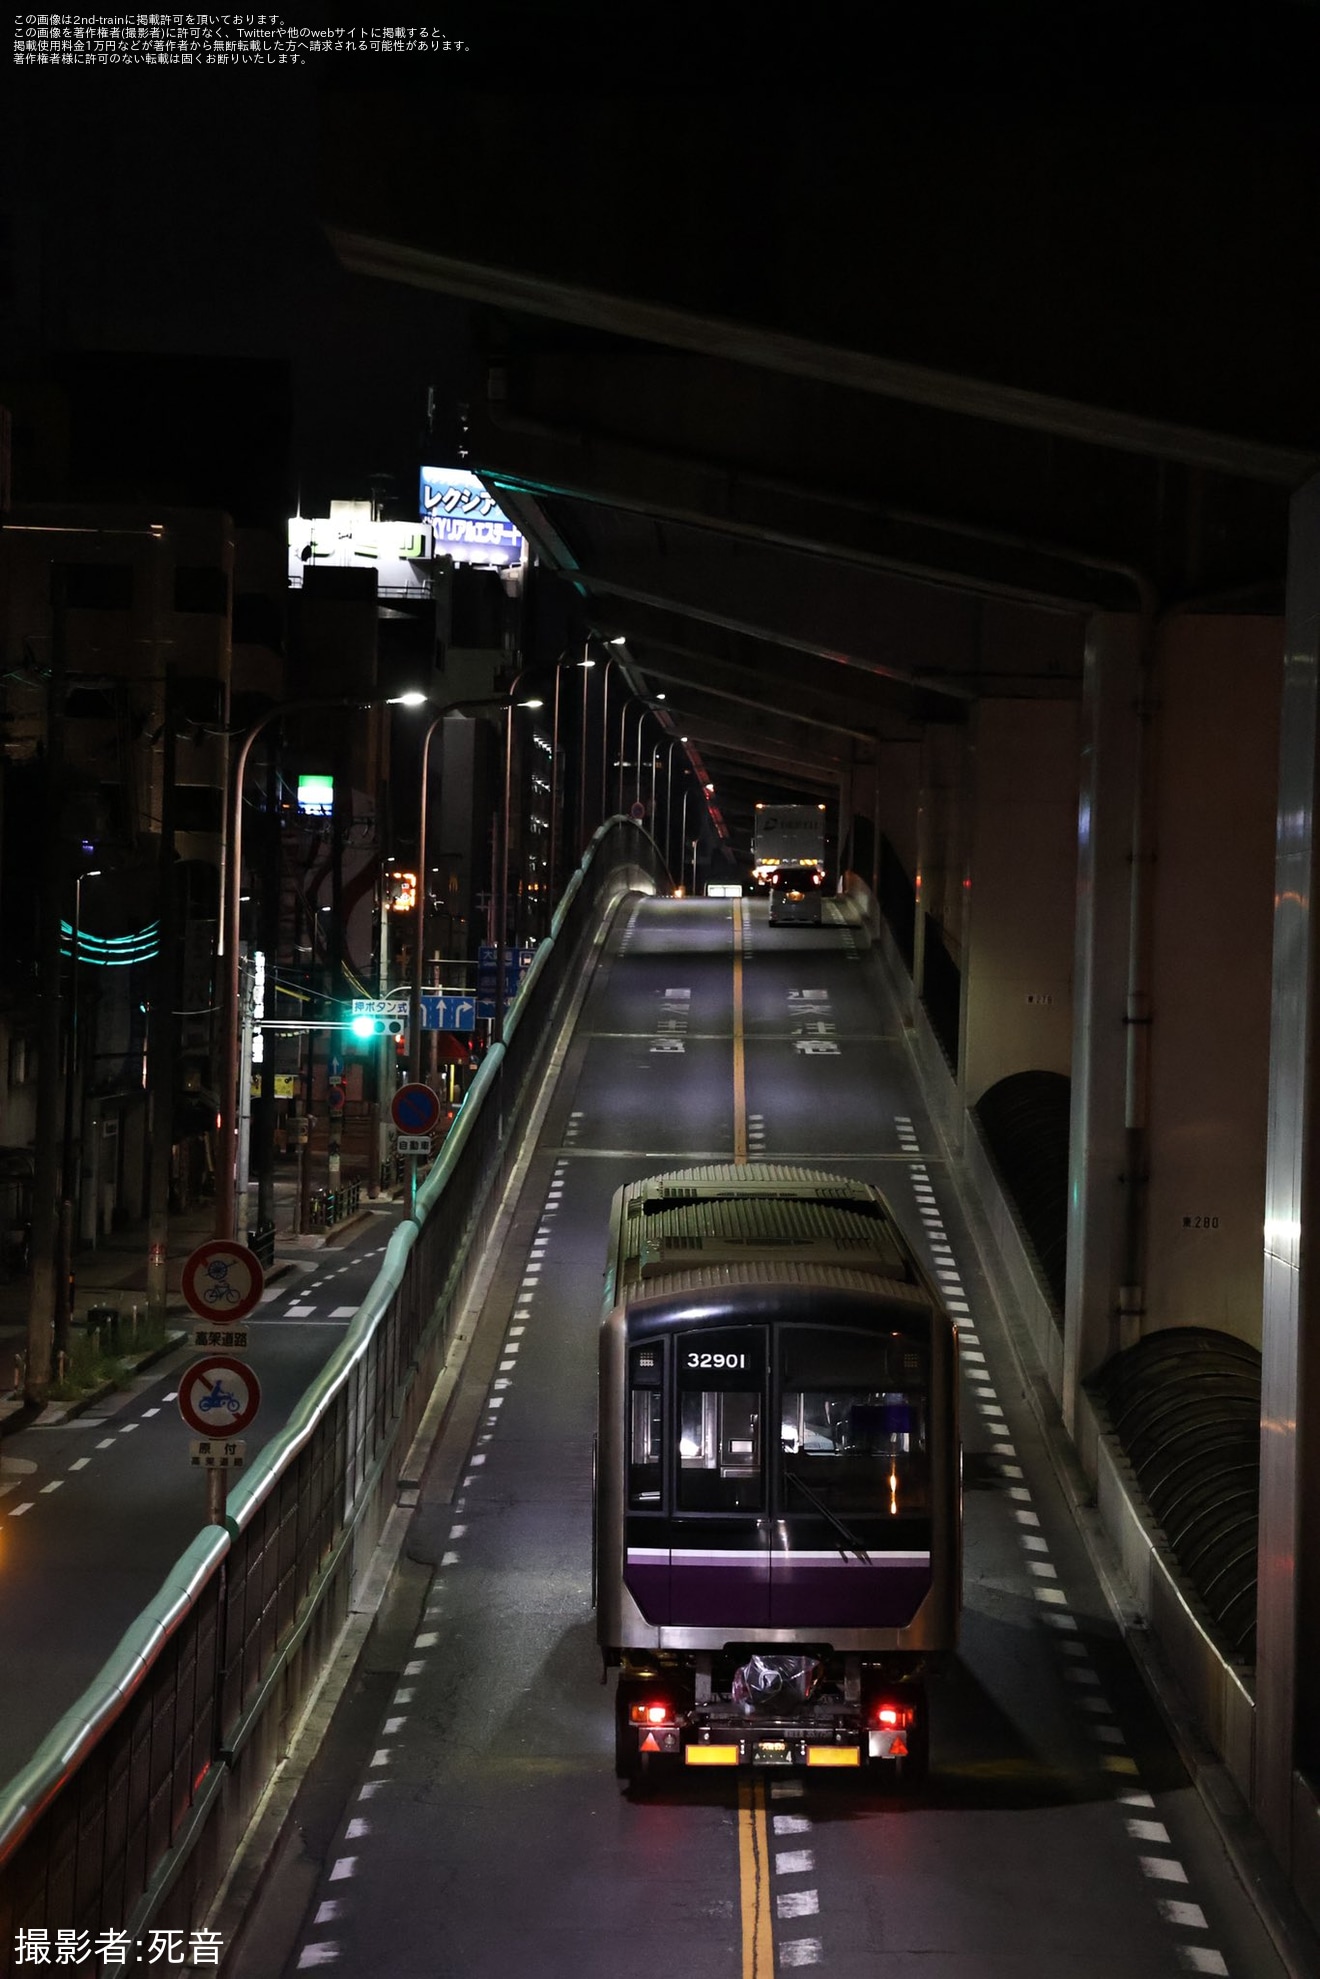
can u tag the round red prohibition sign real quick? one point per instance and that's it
(222, 1281)
(414, 1109)
(219, 1396)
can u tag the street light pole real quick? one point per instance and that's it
(638, 753)
(511, 702)
(554, 802)
(586, 663)
(68, 1186)
(669, 794)
(682, 834)
(605, 736)
(623, 750)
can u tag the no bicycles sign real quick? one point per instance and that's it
(222, 1281)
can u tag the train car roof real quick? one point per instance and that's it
(690, 1221)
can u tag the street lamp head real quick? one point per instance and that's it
(531, 704)
(620, 639)
(586, 663)
(414, 698)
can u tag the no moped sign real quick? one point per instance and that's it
(218, 1396)
(222, 1281)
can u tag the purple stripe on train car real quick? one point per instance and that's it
(646, 1577)
(706, 1588)
(814, 1590)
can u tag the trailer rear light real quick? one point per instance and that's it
(833, 1755)
(892, 1715)
(655, 1712)
(711, 1755)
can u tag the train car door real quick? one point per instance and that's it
(719, 1532)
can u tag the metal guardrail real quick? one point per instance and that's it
(128, 1814)
(261, 1242)
(331, 1206)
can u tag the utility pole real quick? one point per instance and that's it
(268, 921)
(161, 1035)
(46, 1150)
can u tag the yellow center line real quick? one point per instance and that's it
(758, 1956)
(739, 1053)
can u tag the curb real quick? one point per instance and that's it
(23, 1414)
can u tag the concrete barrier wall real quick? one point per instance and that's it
(1217, 1693)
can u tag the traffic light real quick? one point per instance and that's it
(378, 1027)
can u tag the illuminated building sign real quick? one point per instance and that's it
(465, 522)
(399, 552)
(316, 796)
(258, 982)
(401, 892)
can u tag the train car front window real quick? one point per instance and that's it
(720, 1412)
(853, 1423)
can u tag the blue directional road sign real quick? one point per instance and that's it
(517, 961)
(448, 1012)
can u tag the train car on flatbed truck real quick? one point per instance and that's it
(777, 1542)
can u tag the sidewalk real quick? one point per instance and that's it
(115, 1273)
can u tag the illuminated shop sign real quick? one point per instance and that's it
(316, 796)
(465, 522)
(399, 552)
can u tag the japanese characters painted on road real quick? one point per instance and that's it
(222, 1281)
(415, 1109)
(218, 1396)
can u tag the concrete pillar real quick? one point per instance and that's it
(1097, 1148)
(1021, 904)
(1288, 1602)
(1217, 683)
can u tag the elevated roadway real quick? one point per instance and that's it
(462, 1817)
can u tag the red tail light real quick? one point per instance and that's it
(891, 1716)
(655, 1712)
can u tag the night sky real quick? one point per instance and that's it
(176, 210)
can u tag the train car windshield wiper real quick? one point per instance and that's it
(854, 1544)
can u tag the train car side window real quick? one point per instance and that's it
(646, 1427)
